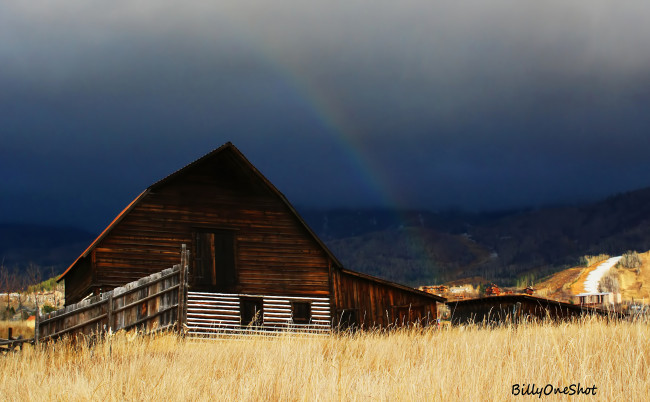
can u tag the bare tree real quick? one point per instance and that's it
(8, 283)
(33, 274)
(4, 280)
(33, 278)
(609, 283)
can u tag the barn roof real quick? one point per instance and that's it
(229, 147)
(513, 298)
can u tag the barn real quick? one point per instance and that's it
(516, 307)
(253, 259)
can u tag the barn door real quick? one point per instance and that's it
(214, 264)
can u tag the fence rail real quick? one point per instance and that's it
(150, 303)
(162, 300)
(11, 344)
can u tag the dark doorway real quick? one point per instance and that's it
(215, 264)
(301, 312)
(252, 311)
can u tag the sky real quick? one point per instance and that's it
(477, 104)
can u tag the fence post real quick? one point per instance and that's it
(182, 287)
(179, 309)
(110, 312)
(185, 287)
(37, 324)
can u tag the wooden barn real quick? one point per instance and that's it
(253, 259)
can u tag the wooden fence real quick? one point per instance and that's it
(151, 303)
(162, 301)
(12, 344)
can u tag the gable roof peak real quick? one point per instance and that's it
(227, 146)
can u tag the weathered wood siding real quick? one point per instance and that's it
(378, 304)
(210, 314)
(149, 303)
(274, 252)
(78, 283)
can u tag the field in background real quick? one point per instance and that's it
(24, 328)
(457, 363)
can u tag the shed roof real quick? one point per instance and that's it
(527, 298)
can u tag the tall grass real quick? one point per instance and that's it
(457, 363)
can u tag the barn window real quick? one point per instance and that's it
(252, 311)
(301, 312)
(215, 264)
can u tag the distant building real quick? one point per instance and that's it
(598, 299)
(451, 293)
(515, 307)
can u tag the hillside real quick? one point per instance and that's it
(634, 283)
(522, 246)
(421, 247)
(423, 255)
(52, 248)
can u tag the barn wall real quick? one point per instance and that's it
(275, 254)
(79, 281)
(376, 303)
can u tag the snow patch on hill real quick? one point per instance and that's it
(594, 277)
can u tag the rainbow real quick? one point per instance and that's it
(349, 138)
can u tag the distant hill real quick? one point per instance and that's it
(423, 247)
(419, 247)
(52, 248)
(411, 255)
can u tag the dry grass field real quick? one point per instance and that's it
(457, 363)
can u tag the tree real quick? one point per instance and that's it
(609, 283)
(48, 308)
(631, 260)
(33, 278)
(4, 280)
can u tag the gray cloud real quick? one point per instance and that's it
(476, 103)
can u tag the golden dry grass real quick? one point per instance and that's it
(459, 363)
(24, 328)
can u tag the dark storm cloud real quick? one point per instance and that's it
(480, 104)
